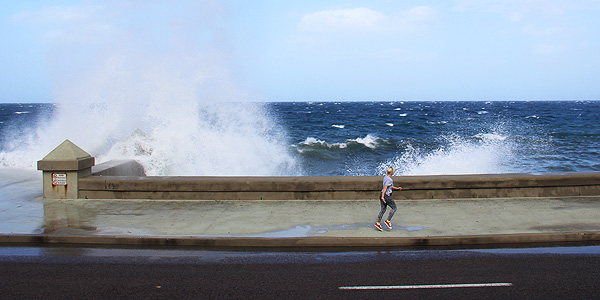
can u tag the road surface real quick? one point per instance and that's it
(100, 273)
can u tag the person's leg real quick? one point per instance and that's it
(392, 205)
(383, 209)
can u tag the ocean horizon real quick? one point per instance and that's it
(313, 138)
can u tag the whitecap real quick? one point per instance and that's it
(403, 115)
(369, 141)
(532, 117)
(398, 108)
(21, 112)
(491, 137)
(338, 126)
(482, 112)
(390, 124)
(311, 141)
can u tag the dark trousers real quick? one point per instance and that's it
(388, 202)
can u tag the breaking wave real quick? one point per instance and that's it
(313, 144)
(182, 103)
(484, 153)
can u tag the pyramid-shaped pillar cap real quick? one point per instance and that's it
(67, 151)
(66, 157)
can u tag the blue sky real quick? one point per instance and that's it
(303, 50)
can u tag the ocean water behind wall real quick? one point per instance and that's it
(324, 138)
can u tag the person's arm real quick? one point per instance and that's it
(397, 188)
(383, 192)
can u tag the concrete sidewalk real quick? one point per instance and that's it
(306, 223)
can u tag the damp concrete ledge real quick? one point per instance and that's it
(337, 187)
(307, 242)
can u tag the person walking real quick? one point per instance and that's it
(385, 198)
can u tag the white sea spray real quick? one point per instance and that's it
(184, 102)
(486, 154)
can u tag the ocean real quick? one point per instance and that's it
(314, 138)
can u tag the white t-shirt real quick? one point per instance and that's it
(387, 180)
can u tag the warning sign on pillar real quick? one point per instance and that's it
(59, 179)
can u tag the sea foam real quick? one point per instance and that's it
(369, 141)
(486, 154)
(183, 102)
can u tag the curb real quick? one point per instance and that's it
(304, 242)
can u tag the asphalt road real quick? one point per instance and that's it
(87, 273)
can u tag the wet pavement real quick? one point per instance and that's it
(21, 206)
(128, 255)
(27, 213)
(274, 219)
(416, 218)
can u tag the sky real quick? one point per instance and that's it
(465, 50)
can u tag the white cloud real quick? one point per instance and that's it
(364, 19)
(83, 23)
(361, 18)
(87, 32)
(58, 14)
(520, 10)
(413, 18)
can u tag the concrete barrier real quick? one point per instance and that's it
(119, 168)
(339, 187)
(61, 170)
(75, 178)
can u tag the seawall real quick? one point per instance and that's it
(108, 181)
(70, 173)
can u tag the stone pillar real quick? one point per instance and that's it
(62, 169)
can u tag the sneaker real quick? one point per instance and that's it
(388, 224)
(378, 226)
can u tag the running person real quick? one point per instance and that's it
(385, 198)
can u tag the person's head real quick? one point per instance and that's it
(390, 171)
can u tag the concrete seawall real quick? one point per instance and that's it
(69, 173)
(229, 211)
(100, 186)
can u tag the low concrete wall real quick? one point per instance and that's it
(119, 168)
(338, 187)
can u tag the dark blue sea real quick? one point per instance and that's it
(317, 138)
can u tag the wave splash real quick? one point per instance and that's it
(184, 99)
(484, 153)
(196, 139)
(313, 144)
(218, 141)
